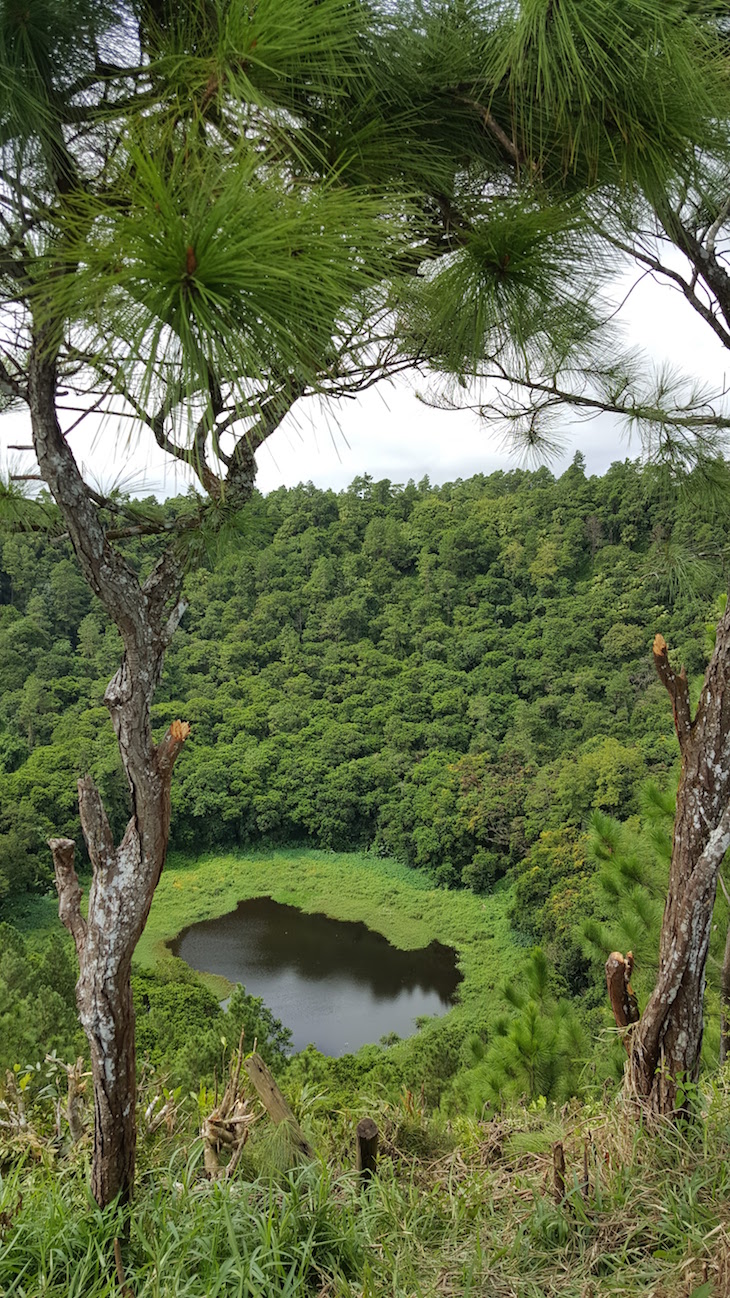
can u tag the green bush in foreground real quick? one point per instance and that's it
(181, 1027)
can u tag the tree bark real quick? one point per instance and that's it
(124, 876)
(122, 889)
(725, 985)
(664, 1047)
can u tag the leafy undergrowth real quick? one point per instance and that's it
(463, 1209)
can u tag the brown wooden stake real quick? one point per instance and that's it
(275, 1104)
(558, 1171)
(124, 1287)
(367, 1149)
(586, 1182)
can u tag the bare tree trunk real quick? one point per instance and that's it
(664, 1047)
(124, 876)
(121, 894)
(725, 985)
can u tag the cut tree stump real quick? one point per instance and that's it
(623, 1001)
(558, 1171)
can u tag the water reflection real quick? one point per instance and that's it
(332, 982)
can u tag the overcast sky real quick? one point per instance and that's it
(389, 433)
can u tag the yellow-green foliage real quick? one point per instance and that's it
(388, 897)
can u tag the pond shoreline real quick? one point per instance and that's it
(387, 897)
(336, 984)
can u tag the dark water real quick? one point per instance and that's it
(332, 982)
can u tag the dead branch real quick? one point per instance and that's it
(119, 1265)
(76, 1087)
(275, 1104)
(14, 1106)
(229, 1125)
(169, 747)
(155, 1117)
(95, 824)
(69, 889)
(675, 683)
(623, 1000)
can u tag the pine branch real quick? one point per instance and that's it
(492, 127)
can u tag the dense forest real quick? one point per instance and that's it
(458, 677)
(454, 676)
(437, 673)
(441, 674)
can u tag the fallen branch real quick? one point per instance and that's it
(275, 1104)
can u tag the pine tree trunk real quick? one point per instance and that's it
(106, 1017)
(123, 886)
(664, 1047)
(124, 876)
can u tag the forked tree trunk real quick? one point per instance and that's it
(121, 894)
(124, 876)
(664, 1046)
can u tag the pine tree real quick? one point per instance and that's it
(212, 210)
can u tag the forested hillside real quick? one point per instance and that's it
(413, 714)
(459, 676)
(455, 676)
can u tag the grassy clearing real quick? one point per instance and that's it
(472, 1215)
(388, 897)
(36, 917)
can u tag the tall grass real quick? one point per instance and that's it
(473, 1213)
(185, 1237)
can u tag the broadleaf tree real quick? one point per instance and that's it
(212, 210)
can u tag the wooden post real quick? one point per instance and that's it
(367, 1149)
(558, 1171)
(275, 1104)
(586, 1183)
